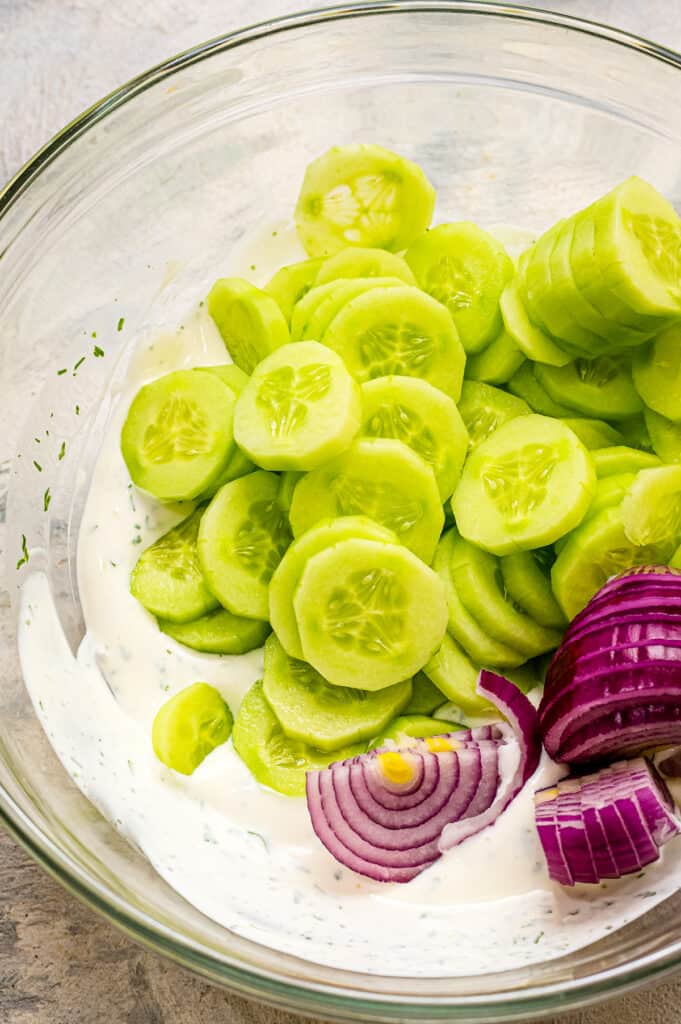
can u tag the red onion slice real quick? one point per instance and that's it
(384, 814)
(607, 824)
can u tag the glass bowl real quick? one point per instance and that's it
(129, 213)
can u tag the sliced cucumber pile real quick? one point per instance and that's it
(421, 460)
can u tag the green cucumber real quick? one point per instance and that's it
(369, 614)
(531, 482)
(362, 195)
(526, 577)
(478, 578)
(189, 726)
(497, 362)
(218, 632)
(286, 577)
(532, 342)
(482, 648)
(657, 374)
(242, 537)
(424, 418)
(325, 716)
(425, 696)
(399, 331)
(665, 436)
(651, 509)
(379, 478)
(466, 269)
(270, 755)
(484, 409)
(249, 320)
(299, 409)
(407, 727)
(291, 283)
(594, 433)
(599, 387)
(177, 436)
(618, 459)
(524, 384)
(167, 579)
(356, 261)
(595, 551)
(456, 676)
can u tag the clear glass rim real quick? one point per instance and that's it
(267, 985)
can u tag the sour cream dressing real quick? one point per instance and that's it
(245, 856)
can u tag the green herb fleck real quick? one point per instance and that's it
(274, 234)
(47, 498)
(76, 365)
(24, 552)
(201, 304)
(252, 266)
(60, 372)
(131, 496)
(98, 352)
(94, 334)
(38, 466)
(113, 565)
(137, 539)
(121, 324)
(37, 440)
(77, 410)
(62, 451)
(256, 835)
(539, 938)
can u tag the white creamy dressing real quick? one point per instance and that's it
(244, 855)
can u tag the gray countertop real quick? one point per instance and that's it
(59, 962)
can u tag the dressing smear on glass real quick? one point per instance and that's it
(244, 855)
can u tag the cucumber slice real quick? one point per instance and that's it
(291, 283)
(594, 433)
(272, 757)
(356, 261)
(594, 387)
(633, 433)
(287, 485)
(527, 485)
(620, 459)
(362, 195)
(408, 727)
(398, 331)
(424, 418)
(369, 614)
(651, 509)
(638, 248)
(425, 696)
(665, 436)
(379, 478)
(478, 578)
(525, 385)
(466, 269)
(190, 726)
(177, 437)
(230, 374)
(346, 289)
(597, 550)
(299, 409)
(544, 305)
(167, 579)
(454, 673)
(304, 309)
(242, 537)
(610, 490)
(566, 293)
(589, 281)
(248, 319)
(468, 633)
(497, 363)
(675, 560)
(325, 716)
(526, 576)
(287, 575)
(484, 409)
(657, 374)
(534, 343)
(218, 632)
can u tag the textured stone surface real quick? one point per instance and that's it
(59, 962)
